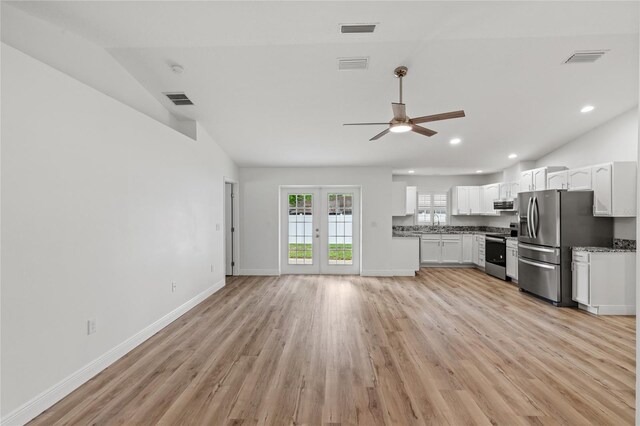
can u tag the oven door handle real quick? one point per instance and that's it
(539, 265)
(497, 240)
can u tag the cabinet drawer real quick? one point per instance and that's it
(581, 256)
(430, 237)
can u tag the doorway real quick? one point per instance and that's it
(320, 230)
(229, 228)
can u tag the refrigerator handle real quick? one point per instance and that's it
(529, 217)
(536, 217)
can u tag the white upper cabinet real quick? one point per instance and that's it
(579, 179)
(412, 199)
(490, 194)
(614, 189)
(526, 181)
(508, 190)
(540, 179)
(536, 179)
(403, 199)
(557, 180)
(475, 199)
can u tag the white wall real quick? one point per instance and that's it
(615, 140)
(102, 208)
(259, 221)
(443, 184)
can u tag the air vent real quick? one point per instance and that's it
(179, 98)
(585, 56)
(353, 63)
(357, 28)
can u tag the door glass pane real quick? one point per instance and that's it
(300, 229)
(340, 235)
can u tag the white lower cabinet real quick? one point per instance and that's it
(478, 250)
(467, 248)
(451, 249)
(603, 283)
(405, 256)
(512, 259)
(446, 248)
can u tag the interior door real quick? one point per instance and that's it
(320, 230)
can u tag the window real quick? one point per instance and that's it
(432, 208)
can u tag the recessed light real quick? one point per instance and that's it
(478, 171)
(411, 172)
(587, 108)
(455, 141)
(512, 156)
(177, 69)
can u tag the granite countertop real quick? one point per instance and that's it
(604, 249)
(412, 231)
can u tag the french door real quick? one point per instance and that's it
(320, 230)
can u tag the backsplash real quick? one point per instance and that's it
(619, 243)
(449, 228)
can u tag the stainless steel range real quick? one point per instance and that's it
(551, 222)
(495, 249)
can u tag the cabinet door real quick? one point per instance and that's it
(412, 199)
(602, 190)
(481, 254)
(512, 263)
(580, 282)
(504, 191)
(514, 189)
(579, 179)
(430, 250)
(557, 180)
(475, 206)
(526, 181)
(467, 248)
(540, 179)
(474, 250)
(490, 194)
(463, 200)
(451, 250)
(399, 199)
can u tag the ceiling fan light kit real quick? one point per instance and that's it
(401, 123)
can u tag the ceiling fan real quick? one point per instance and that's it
(401, 123)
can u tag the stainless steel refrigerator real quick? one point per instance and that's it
(551, 222)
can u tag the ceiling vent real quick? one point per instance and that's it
(353, 63)
(585, 56)
(178, 98)
(357, 28)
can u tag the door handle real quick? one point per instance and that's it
(529, 217)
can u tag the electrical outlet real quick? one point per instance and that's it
(173, 287)
(212, 267)
(217, 226)
(91, 326)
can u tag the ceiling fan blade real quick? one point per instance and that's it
(399, 111)
(438, 117)
(366, 124)
(423, 130)
(379, 135)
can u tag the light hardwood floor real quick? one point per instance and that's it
(451, 346)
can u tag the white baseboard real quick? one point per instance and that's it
(269, 272)
(404, 273)
(46, 399)
(377, 273)
(609, 309)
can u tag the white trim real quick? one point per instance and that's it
(609, 309)
(377, 273)
(32, 408)
(269, 272)
(404, 273)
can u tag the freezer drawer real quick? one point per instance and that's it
(540, 278)
(539, 253)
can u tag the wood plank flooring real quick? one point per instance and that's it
(450, 346)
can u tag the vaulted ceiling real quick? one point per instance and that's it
(265, 82)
